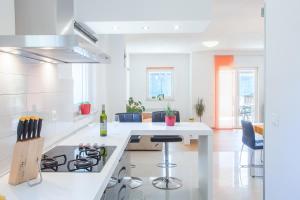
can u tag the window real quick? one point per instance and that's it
(80, 73)
(160, 83)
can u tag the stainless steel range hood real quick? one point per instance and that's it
(53, 48)
(47, 32)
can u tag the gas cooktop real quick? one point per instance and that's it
(82, 158)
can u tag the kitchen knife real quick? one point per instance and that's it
(25, 129)
(35, 123)
(30, 127)
(20, 128)
(39, 128)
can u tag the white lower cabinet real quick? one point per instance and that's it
(118, 189)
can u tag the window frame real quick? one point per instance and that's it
(85, 77)
(160, 69)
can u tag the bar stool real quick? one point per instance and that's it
(134, 182)
(167, 182)
(159, 116)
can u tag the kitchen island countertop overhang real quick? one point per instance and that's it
(75, 186)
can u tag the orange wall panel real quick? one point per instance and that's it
(221, 61)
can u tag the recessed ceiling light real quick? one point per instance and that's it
(47, 48)
(176, 27)
(115, 28)
(210, 44)
(146, 28)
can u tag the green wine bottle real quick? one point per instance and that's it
(103, 122)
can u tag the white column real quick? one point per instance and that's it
(205, 165)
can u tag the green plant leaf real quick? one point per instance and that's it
(134, 106)
(169, 111)
(200, 108)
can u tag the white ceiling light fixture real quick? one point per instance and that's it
(176, 27)
(115, 28)
(210, 44)
(146, 28)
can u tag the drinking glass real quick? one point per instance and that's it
(117, 119)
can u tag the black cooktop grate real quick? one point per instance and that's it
(73, 153)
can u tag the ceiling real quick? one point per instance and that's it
(236, 24)
(148, 27)
(144, 16)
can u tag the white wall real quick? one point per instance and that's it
(115, 73)
(203, 84)
(7, 17)
(203, 78)
(196, 78)
(100, 82)
(282, 136)
(138, 80)
(45, 90)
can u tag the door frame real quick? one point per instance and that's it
(256, 95)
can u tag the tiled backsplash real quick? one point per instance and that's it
(42, 89)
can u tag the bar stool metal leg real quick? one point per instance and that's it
(166, 163)
(135, 182)
(167, 182)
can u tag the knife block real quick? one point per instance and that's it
(26, 160)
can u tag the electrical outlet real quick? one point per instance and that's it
(53, 115)
(275, 119)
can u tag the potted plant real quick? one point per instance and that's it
(85, 108)
(170, 117)
(134, 106)
(159, 97)
(200, 108)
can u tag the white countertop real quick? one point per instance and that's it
(61, 186)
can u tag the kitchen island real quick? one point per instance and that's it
(77, 186)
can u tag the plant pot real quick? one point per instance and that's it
(85, 109)
(170, 120)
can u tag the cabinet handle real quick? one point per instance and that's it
(121, 170)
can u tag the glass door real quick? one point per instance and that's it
(246, 95)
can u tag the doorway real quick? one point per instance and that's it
(237, 96)
(247, 95)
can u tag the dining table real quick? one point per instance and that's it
(259, 128)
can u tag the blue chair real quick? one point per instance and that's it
(159, 116)
(166, 182)
(132, 117)
(249, 140)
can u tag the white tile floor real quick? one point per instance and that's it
(230, 182)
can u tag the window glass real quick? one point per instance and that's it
(80, 73)
(160, 83)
